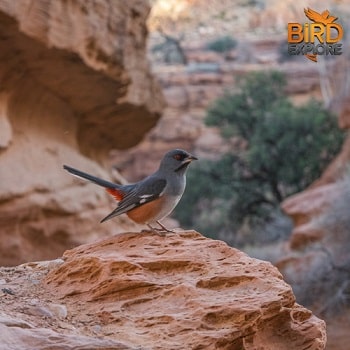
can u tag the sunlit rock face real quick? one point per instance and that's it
(75, 83)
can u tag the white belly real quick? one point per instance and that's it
(166, 208)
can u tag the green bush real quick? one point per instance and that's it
(288, 147)
(222, 44)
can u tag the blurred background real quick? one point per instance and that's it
(110, 86)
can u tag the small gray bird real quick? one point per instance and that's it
(153, 198)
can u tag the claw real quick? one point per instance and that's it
(160, 231)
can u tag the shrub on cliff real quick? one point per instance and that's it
(287, 149)
(222, 44)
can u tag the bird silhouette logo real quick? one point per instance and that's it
(316, 17)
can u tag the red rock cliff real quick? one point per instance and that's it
(74, 84)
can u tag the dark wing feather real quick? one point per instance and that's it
(142, 193)
(313, 15)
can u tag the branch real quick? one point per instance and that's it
(176, 42)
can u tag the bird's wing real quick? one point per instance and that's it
(325, 14)
(313, 15)
(327, 17)
(323, 17)
(141, 193)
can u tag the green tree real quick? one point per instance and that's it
(288, 147)
(222, 44)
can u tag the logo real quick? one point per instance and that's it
(321, 37)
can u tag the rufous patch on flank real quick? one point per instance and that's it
(117, 194)
(143, 213)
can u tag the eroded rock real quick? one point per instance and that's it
(72, 86)
(181, 291)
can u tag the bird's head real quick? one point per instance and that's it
(176, 160)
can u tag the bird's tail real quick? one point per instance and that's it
(91, 178)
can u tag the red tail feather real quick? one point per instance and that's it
(117, 194)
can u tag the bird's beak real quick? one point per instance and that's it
(186, 162)
(191, 157)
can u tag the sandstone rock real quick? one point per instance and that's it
(18, 335)
(59, 310)
(304, 235)
(301, 79)
(339, 329)
(176, 97)
(5, 126)
(181, 291)
(203, 56)
(26, 322)
(71, 86)
(175, 128)
(337, 167)
(304, 206)
(344, 118)
(171, 75)
(205, 78)
(316, 257)
(199, 96)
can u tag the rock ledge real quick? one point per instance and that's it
(176, 291)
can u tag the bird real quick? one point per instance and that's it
(324, 17)
(151, 199)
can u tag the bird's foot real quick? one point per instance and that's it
(163, 228)
(160, 231)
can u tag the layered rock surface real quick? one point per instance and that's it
(316, 257)
(74, 83)
(142, 290)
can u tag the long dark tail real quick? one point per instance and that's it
(91, 178)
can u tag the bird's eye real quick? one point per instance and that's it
(178, 157)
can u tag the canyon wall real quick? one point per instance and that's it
(74, 83)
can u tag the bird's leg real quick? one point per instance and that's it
(154, 230)
(163, 227)
(161, 230)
